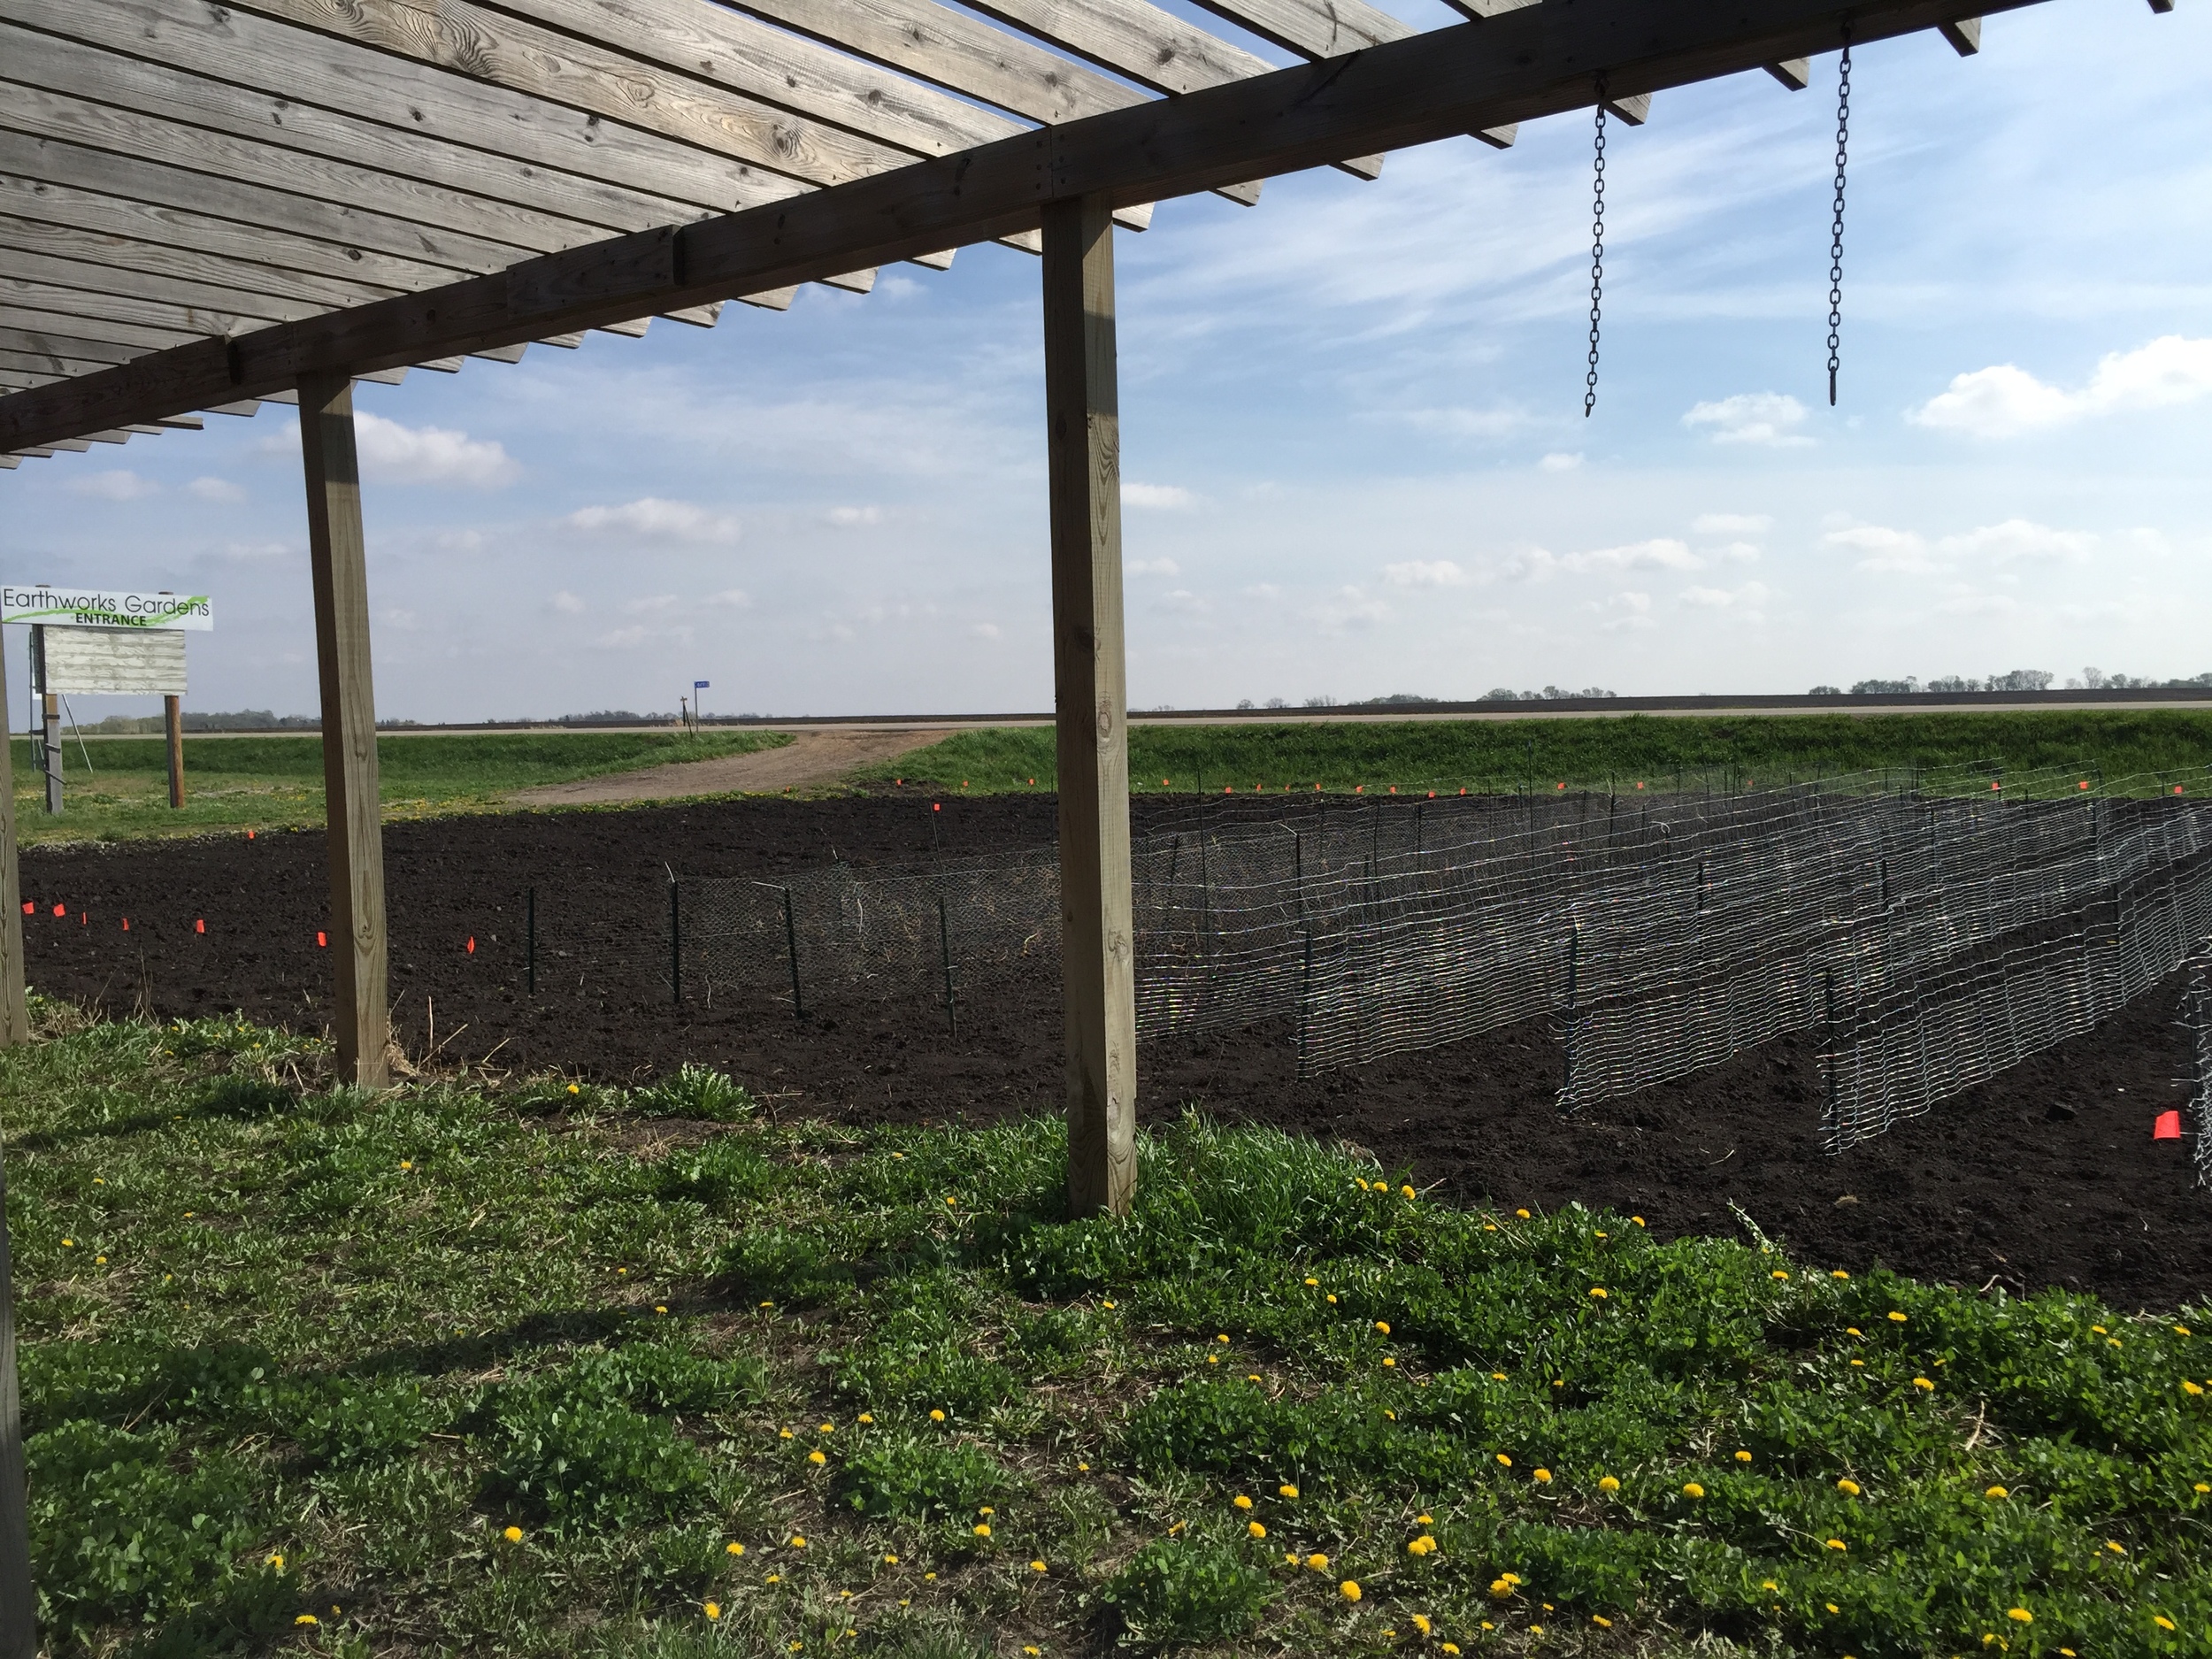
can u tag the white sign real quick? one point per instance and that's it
(121, 662)
(86, 608)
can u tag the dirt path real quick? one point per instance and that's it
(810, 758)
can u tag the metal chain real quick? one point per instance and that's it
(1597, 254)
(1835, 245)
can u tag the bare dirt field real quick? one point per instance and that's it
(811, 760)
(2045, 1175)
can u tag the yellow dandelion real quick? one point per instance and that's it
(1838, 1544)
(825, 1428)
(306, 1619)
(1597, 1292)
(1313, 1283)
(1924, 1385)
(1242, 1502)
(797, 1542)
(1638, 1220)
(1505, 1461)
(1224, 1337)
(1424, 1520)
(1996, 1495)
(2020, 1615)
(987, 1510)
(1691, 1489)
(2181, 1330)
(866, 1416)
(1607, 1483)
(2162, 1621)
(2187, 1386)
(1743, 1457)
(1317, 1562)
(1383, 1325)
(1421, 1623)
(1036, 1566)
(817, 1458)
(1542, 1477)
(1838, 1273)
(1523, 1214)
(2117, 1549)
(513, 1535)
(733, 1548)
(1896, 1318)
(1406, 1191)
(890, 1561)
(1779, 1273)
(936, 1416)
(1601, 1621)
(1255, 1529)
(1285, 1491)
(1332, 1299)
(713, 1609)
(1769, 1584)
(983, 1529)
(1389, 1364)
(1453, 1648)
(573, 1089)
(783, 1434)
(1348, 1590)
(1848, 1487)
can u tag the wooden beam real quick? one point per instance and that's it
(105, 100)
(1090, 705)
(1540, 61)
(1313, 28)
(361, 1015)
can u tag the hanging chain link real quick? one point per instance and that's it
(1597, 254)
(1835, 245)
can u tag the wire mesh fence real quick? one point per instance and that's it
(1933, 926)
(2197, 1020)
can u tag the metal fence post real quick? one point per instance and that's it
(791, 944)
(944, 946)
(1567, 1068)
(675, 946)
(1305, 1006)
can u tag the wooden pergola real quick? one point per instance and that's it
(204, 207)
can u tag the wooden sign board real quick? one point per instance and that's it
(121, 661)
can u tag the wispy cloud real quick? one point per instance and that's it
(1426, 573)
(652, 519)
(215, 489)
(394, 454)
(1765, 419)
(1156, 497)
(120, 485)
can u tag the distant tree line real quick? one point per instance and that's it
(2016, 680)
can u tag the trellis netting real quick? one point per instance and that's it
(1933, 927)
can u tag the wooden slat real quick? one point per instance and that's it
(1153, 48)
(81, 225)
(189, 293)
(48, 363)
(99, 190)
(489, 47)
(1796, 74)
(775, 67)
(1526, 65)
(337, 560)
(1313, 28)
(1090, 705)
(15, 315)
(81, 305)
(293, 66)
(66, 345)
(107, 101)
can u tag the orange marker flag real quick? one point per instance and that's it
(61, 910)
(472, 944)
(127, 924)
(322, 940)
(199, 924)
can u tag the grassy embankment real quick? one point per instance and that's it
(276, 782)
(541, 1372)
(1506, 755)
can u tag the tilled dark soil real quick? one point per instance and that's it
(2046, 1175)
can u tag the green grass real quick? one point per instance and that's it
(1505, 754)
(293, 1353)
(277, 782)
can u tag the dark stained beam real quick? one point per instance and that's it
(1519, 66)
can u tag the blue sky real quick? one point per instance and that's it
(1354, 456)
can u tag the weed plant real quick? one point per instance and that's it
(568, 1370)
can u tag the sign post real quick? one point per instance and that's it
(91, 641)
(698, 703)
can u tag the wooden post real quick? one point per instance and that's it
(19, 1611)
(1090, 703)
(173, 717)
(337, 554)
(51, 751)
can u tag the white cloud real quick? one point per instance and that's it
(1426, 573)
(1349, 607)
(1267, 591)
(652, 519)
(394, 454)
(1765, 418)
(1889, 552)
(1163, 497)
(1151, 567)
(1465, 423)
(116, 485)
(568, 604)
(244, 550)
(1635, 608)
(1183, 600)
(648, 604)
(852, 518)
(1731, 524)
(1662, 553)
(984, 629)
(2005, 401)
(215, 489)
(1560, 462)
(1747, 603)
(731, 599)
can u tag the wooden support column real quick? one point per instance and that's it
(361, 1018)
(18, 1608)
(1090, 703)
